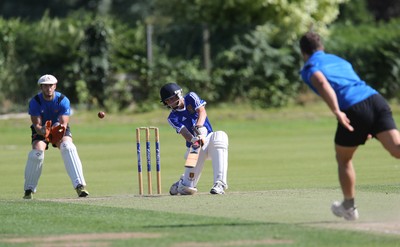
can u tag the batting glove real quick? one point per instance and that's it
(197, 141)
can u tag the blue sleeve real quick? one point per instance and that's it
(65, 108)
(195, 100)
(173, 120)
(34, 108)
(306, 73)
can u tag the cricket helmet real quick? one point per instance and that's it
(169, 90)
(47, 79)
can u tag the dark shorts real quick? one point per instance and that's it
(36, 137)
(370, 116)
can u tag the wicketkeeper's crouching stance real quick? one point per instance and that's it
(50, 111)
(189, 118)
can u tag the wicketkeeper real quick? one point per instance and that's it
(50, 111)
(188, 117)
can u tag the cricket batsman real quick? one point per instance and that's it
(50, 111)
(188, 117)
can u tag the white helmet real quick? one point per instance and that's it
(47, 79)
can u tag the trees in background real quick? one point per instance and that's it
(238, 50)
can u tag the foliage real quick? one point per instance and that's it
(55, 48)
(188, 74)
(354, 12)
(103, 62)
(251, 41)
(362, 43)
(255, 71)
(95, 63)
(288, 18)
(34, 10)
(129, 66)
(27, 56)
(384, 10)
(138, 81)
(131, 12)
(11, 70)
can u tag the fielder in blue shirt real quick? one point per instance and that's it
(188, 117)
(50, 111)
(360, 110)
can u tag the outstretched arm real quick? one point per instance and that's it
(186, 134)
(327, 93)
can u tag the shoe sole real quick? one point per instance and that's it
(216, 193)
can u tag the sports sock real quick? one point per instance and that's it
(348, 203)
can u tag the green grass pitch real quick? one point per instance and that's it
(282, 180)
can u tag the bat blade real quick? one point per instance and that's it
(193, 156)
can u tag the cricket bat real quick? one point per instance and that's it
(193, 156)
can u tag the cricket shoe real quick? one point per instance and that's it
(218, 188)
(174, 187)
(28, 194)
(81, 191)
(185, 190)
(348, 214)
(179, 188)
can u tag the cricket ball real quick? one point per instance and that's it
(101, 114)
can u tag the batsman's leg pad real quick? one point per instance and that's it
(218, 151)
(72, 163)
(33, 169)
(192, 175)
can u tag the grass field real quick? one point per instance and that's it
(282, 179)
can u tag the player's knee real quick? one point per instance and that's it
(220, 140)
(36, 155)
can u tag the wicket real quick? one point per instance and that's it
(148, 158)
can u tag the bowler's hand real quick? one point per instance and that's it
(343, 120)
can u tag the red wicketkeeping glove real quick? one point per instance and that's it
(47, 132)
(57, 133)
